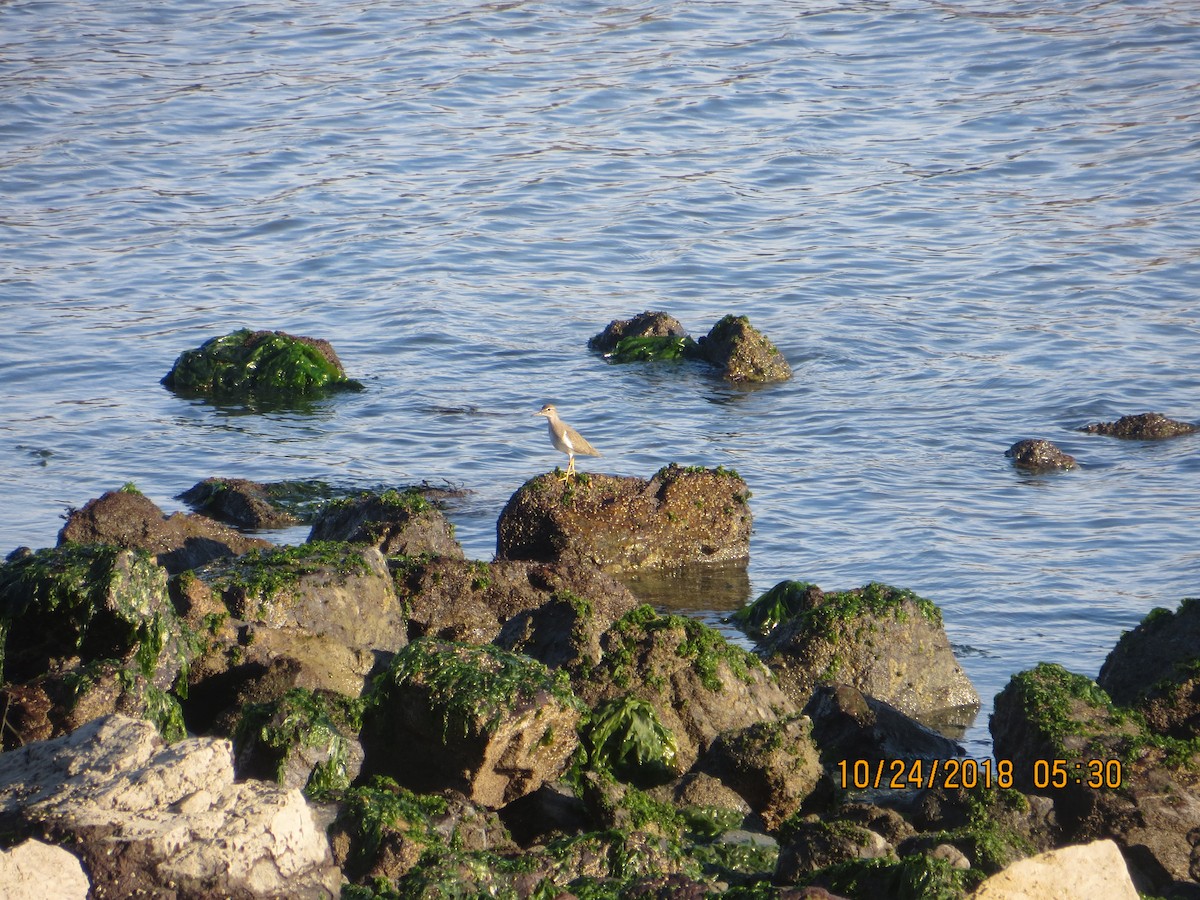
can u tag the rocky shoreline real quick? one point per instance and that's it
(190, 711)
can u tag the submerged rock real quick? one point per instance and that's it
(147, 819)
(1142, 427)
(249, 362)
(742, 352)
(644, 326)
(886, 642)
(1037, 455)
(619, 524)
(126, 518)
(239, 502)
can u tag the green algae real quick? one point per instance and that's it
(473, 686)
(264, 574)
(249, 362)
(780, 603)
(653, 349)
(625, 736)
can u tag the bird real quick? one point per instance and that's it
(565, 438)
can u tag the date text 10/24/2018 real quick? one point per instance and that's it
(911, 774)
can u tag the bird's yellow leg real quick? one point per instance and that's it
(570, 467)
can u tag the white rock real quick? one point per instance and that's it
(37, 871)
(1093, 871)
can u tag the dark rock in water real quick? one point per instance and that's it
(1156, 668)
(643, 325)
(773, 765)
(1108, 774)
(1037, 455)
(743, 353)
(1142, 427)
(128, 519)
(848, 725)
(249, 362)
(164, 821)
(623, 523)
(886, 642)
(698, 683)
(395, 522)
(478, 719)
(241, 503)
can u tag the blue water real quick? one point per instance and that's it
(963, 223)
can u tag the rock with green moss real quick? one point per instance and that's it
(742, 352)
(916, 877)
(1107, 771)
(304, 739)
(491, 724)
(395, 522)
(127, 518)
(94, 626)
(809, 844)
(329, 606)
(1156, 669)
(621, 524)
(644, 326)
(777, 605)
(698, 683)
(888, 643)
(624, 736)
(383, 831)
(773, 765)
(260, 363)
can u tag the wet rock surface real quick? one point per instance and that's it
(742, 353)
(238, 502)
(644, 325)
(394, 522)
(624, 523)
(1037, 455)
(1142, 427)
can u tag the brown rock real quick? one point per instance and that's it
(1039, 456)
(619, 524)
(1142, 427)
(178, 542)
(743, 353)
(647, 324)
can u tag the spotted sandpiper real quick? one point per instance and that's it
(565, 438)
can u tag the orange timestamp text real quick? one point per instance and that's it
(911, 774)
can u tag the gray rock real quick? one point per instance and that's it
(1142, 427)
(158, 819)
(394, 522)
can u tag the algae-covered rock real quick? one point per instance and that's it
(304, 739)
(249, 362)
(1107, 772)
(1156, 668)
(93, 602)
(681, 515)
(1037, 455)
(888, 643)
(329, 606)
(742, 352)
(776, 605)
(127, 518)
(624, 736)
(384, 830)
(489, 723)
(698, 683)
(652, 326)
(396, 522)
(1142, 427)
